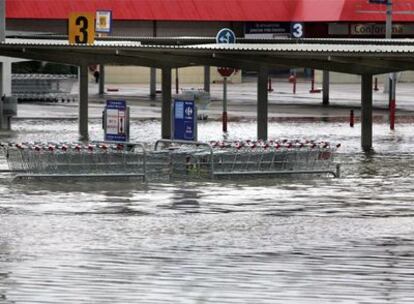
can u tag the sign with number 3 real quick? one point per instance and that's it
(81, 28)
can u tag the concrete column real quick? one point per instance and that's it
(153, 82)
(262, 105)
(366, 112)
(1, 94)
(325, 88)
(166, 104)
(83, 102)
(207, 78)
(1, 78)
(101, 80)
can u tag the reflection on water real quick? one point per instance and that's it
(279, 240)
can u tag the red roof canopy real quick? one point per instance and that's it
(214, 10)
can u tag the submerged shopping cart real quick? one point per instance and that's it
(76, 160)
(172, 160)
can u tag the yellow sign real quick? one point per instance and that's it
(81, 28)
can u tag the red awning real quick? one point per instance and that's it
(215, 10)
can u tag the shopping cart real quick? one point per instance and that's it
(97, 159)
(172, 159)
(193, 160)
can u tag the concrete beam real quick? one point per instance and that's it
(366, 112)
(166, 104)
(262, 103)
(391, 65)
(83, 102)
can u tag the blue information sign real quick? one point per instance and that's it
(116, 124)
(185, 120)
(225, 36)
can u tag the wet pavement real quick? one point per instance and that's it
(242, 102)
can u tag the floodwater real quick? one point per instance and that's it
(322, 240)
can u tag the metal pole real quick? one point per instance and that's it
(2, 38)
(392, 76)
(388, 35)
(166, 104)
(262, 105)
(224, 118)
(366, 112)
(207, 78)
(83, 102)
(2, 20)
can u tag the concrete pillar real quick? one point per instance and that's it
(1, 94)
(325, 88)
(1, 79)
(262, 105)
(153, 82)
(207, 78)
(101, 80)
(166, 104)
(83, 102)
(366, 112)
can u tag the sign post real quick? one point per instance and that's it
(116, 121)
(185, 120)
(226, 36)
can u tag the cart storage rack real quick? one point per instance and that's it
(171, 159)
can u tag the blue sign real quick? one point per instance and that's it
(185, 120)
(297, 30)
(116, 120)
(225, 36)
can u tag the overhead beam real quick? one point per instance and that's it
(382, 63)
(319, 64)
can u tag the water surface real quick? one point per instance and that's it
(280, 240)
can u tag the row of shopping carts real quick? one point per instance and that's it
(43, 87)
(171, 160)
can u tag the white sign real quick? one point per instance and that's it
(103, 21)
(297, 30)
(112, 121)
